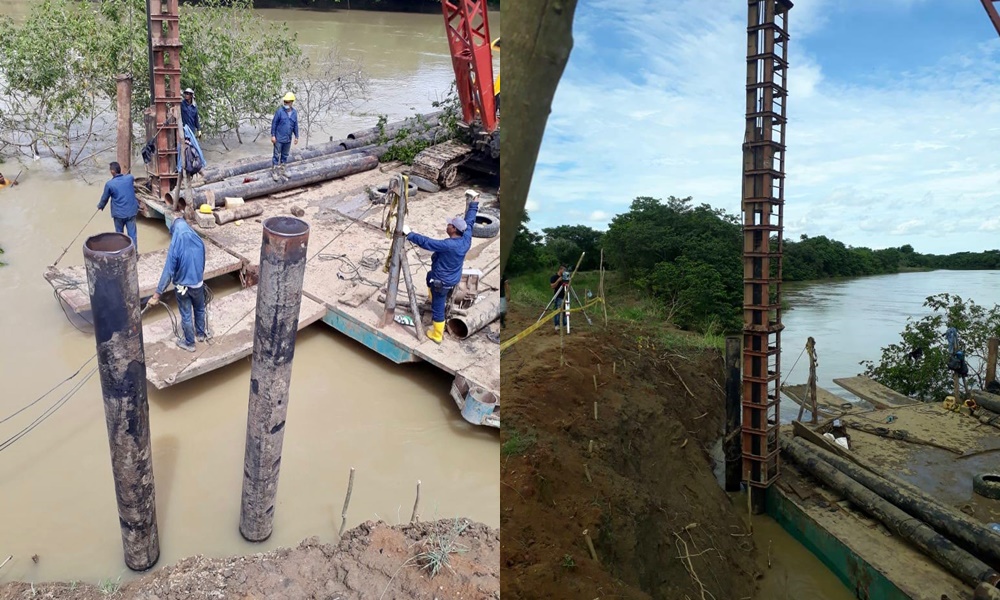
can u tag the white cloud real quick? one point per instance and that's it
(598, 216)
(664, 115)
(531, 206)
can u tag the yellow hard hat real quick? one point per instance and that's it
(289, 97)
(205, 209)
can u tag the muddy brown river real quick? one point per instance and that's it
(348, 406)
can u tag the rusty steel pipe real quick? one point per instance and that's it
(279, 296)
(480, 315)
(110, 260)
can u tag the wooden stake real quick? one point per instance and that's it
(590, 448)
(416, 506)
(598, 368)
(347, 502)
(595, 410)
(992, 346)
(595, 383)
(614, 368)
(590, 546)
(586, 471)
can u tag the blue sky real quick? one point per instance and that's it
(894, 118)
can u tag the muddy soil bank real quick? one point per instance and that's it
(371, 562)
(637, 478)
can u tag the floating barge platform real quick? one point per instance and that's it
(344, 286)
(936, 450)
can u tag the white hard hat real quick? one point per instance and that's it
(189, 91)
(472, 193)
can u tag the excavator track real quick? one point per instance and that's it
(440, 163)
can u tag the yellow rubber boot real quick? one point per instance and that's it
(436, 332)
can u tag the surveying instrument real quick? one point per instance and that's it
(565, 288)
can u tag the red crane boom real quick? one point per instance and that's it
(468, 30)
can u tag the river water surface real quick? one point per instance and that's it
(348, 407)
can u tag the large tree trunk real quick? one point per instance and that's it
(537, 49)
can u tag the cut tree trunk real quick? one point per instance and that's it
(537, 49)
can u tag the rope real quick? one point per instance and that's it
(66, 249)
(789, 374)
(57, 404)
(531, 329)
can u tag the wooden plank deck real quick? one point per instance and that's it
(827, 403)
(872, 391)
(71, 282)
(345, 238)
(231, 318)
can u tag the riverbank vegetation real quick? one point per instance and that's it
(917, 365)
(686, 258)
(58, 68)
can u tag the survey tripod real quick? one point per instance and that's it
(565, 288)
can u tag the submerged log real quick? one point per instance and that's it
(297, 176)
(245, 211)
(957, 561)
(480, 315)
(432, 118)
(970, 534)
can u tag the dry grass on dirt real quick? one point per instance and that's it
(454, 559)
(644, 492)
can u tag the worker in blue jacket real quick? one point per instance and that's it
(284, 128)
(124, 205)
(447, 261)
(185, 268)
(189, 112)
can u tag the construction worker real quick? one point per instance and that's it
(447, 261)
(559, 282)
(284, 128)
(189, 112)
(185, 268)
(124, 205)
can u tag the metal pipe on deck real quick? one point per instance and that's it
(279, 297)
(480, 315)
(972, 535)
(942, 550)
(250, 165)
(296, 176)
(990, 402)
(112, 278)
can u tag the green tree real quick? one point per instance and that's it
(52, 68)
(524, 254)
(583, 238)
(57, 71)
(928, 378)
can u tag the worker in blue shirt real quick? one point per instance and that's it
(447, 261)
(189, 113)
(185, 268)
(124, 205)
(284, 127)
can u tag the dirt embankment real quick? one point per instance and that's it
(372, 562)
(646, 495)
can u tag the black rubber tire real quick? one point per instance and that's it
(487, 226)
(987, 485)
(378, 194)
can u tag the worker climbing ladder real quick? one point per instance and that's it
(163, 20)
(763, 202)
(393, 222)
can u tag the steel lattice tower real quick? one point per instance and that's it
(763, 200)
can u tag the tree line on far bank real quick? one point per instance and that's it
(689, 257)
